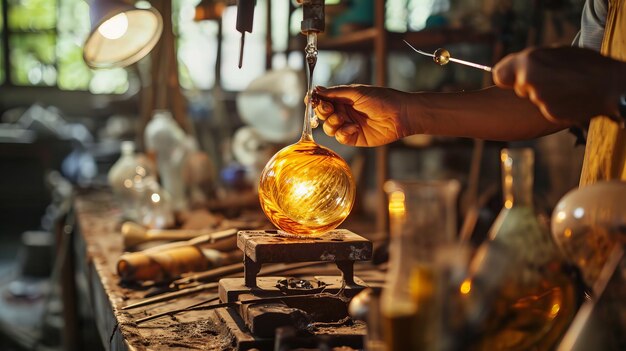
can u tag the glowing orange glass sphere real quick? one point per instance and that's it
(306, 189)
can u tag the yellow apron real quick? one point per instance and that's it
(605, 153)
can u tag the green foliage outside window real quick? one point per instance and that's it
(73, 72)
(45, 41)
(29, 15)
(72, 29)
(32, 59)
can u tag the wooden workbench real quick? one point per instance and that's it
(97, 246)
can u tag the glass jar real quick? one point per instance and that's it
(422, 220)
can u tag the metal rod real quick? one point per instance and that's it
(237, 268)
(416, 50)
(162, 314)
(172, 295)
(210, 275)
(241, 44)
(214, 274)
(471, 64)
(238, 303)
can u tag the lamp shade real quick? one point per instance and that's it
(121, 34)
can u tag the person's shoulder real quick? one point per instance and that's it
(592, 23)
(595, 11)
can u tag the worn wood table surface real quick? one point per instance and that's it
(97, 246)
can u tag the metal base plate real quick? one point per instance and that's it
(231, 288)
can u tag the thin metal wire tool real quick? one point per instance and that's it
(446, 58)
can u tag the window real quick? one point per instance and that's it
(44, 39)
(197, 45)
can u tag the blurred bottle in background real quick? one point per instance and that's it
(528, 297)
(131, 168)
(155, 205)
(423, 222)
(167, 142)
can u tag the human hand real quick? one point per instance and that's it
(568, 84)
(362, 115)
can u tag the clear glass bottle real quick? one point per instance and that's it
(155, 209)
(167, 141)
(536, 299)
(422, 221)
(128, 170)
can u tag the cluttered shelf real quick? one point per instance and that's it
(100, 243)
(363, 40)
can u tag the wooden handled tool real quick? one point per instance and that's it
(134, 234)
(171, 263)
(168, 261)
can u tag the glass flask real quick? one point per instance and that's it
(588, 222)
(128, 170)
(155, 209)
(422, 221)
(306, 188)
(535, 300)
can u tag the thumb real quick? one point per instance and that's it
(504, 72)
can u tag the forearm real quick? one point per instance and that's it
(491, 113)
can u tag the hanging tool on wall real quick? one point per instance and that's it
(245, 19)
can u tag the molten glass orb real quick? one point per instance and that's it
(306, 189)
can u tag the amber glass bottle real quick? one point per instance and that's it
(536, 299)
